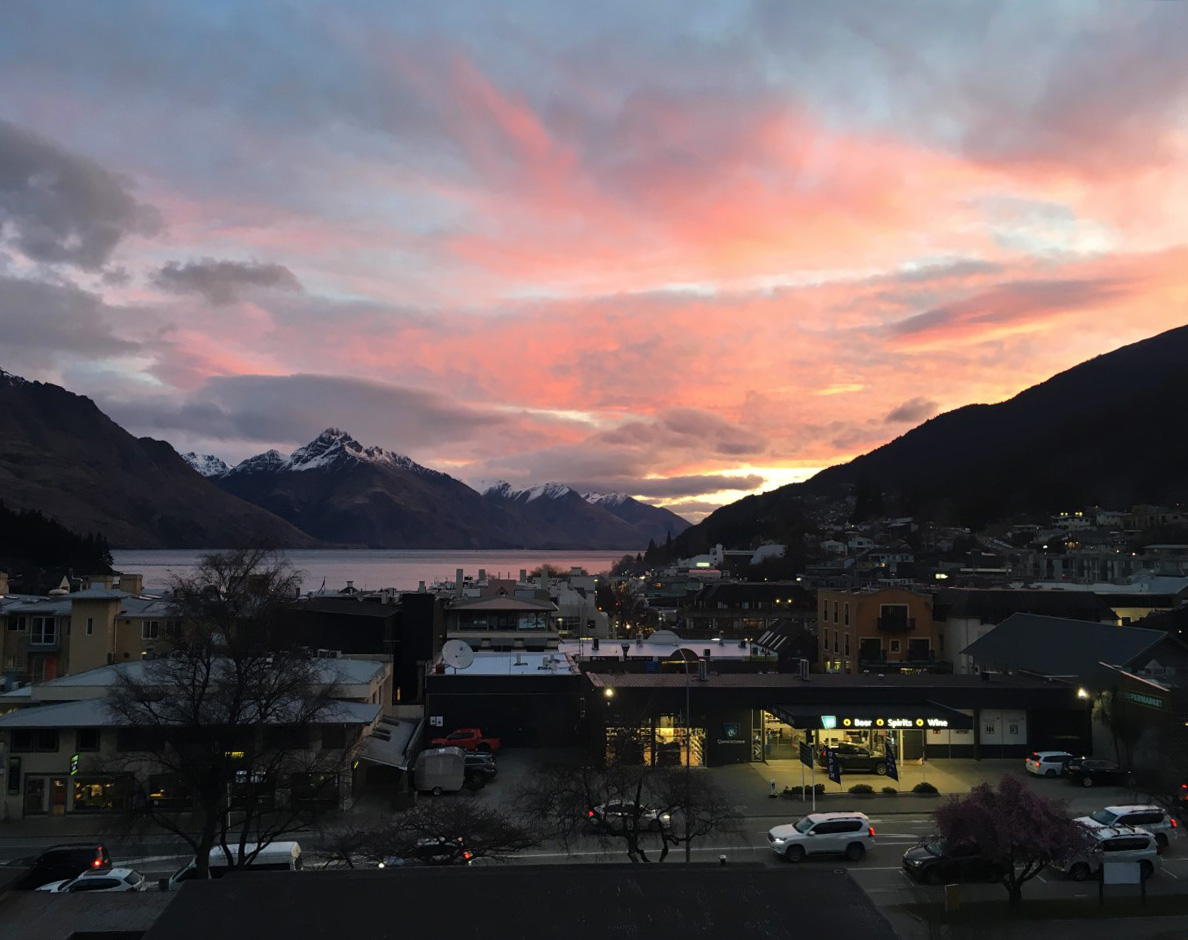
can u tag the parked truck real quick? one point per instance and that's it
(469, 739)
(442, 770)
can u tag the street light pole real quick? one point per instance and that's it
(688, 751)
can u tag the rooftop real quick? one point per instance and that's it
(516, 663)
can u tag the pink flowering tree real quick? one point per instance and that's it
(1013, 827)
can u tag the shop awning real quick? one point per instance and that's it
(921, 716)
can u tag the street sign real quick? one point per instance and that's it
(806, 754)
(833, 765)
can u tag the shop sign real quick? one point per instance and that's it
(891, 723)
(1151, 701)
(74, 765)
(730, 734)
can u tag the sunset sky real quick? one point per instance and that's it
(684, 250)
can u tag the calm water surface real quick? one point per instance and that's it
(373, 569)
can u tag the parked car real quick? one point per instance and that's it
(855, 759)
(1146, 816)
(107, 879)
(936, 862)
(469, 739)
(1093, 772)
(1047, 763)
(618, 814)
(61, 863)
(848, 834)
(1113, 844)
(482, 765)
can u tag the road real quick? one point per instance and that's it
(880, 872)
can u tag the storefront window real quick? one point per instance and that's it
(100, 794)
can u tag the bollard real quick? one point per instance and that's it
(721, 859)
(772, 789)
(952, 898)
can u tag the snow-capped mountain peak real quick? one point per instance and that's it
(526, 494)
(332, 448)
(267, 462)
(207, 464)
(606, 499)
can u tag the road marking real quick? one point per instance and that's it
(1171, 874)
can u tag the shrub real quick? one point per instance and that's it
(862, 788)
(924, 787)
(890, 791)
(819, 788)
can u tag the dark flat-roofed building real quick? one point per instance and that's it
(529, 902)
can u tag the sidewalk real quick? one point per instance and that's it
(749, 786)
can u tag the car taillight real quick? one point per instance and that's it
(98, 863)
(871, 831)
(467, 855)
(590, 813)
(1174, 824)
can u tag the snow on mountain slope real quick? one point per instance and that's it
(207, 464)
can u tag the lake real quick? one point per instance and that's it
(373, 569)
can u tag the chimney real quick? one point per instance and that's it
(458, 579)
(132, 583)
(706, 653)
(702, 671)
(482, 574)
(523, 575)
(420, 587)
(626, 650)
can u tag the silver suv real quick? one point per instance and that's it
(1114, 844)
(848, 834)
(1141, 815)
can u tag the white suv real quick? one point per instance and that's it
(1047, 763)
(1142, 816)
(1114, 844)
(848, 834)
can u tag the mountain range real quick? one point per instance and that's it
(1111, 431)
(343, 493)
(62, 456)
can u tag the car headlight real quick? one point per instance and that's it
(778, 840)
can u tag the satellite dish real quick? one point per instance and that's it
(457, 653)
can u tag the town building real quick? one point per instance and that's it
(878, 630)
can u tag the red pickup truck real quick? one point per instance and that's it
(469, 739)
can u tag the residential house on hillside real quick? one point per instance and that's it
(878, 630)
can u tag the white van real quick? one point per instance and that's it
(277, 856)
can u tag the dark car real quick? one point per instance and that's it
(618, 815)
(855, 759)
(481, 764)
(1074, 763)
(1092, 772)
(62, 862)
(440, 850)
(934, 862)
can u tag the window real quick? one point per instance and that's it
(835, 649)
(824, 610)
(333, 737)
(90, 626)
(835, 611)
(86, 740)
(100, 794)
(26, 741)
(43, 632)
(940, 642)
(847, 613)
(894, 646)
(16, 623)
(847, 644)
(150, 629)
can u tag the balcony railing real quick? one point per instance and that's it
(897, 624)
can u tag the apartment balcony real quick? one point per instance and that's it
(44, 641)
(897, 624)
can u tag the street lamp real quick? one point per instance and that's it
(608, 692)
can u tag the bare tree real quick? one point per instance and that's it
(443, 831)
(644, 810)
(221, 734)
